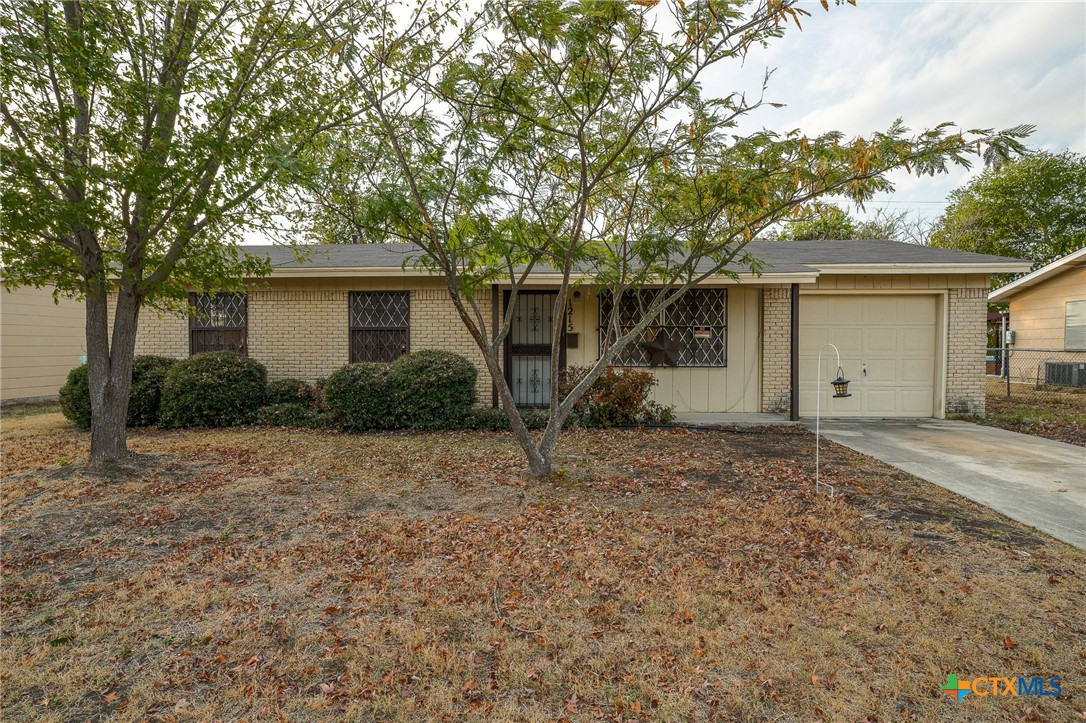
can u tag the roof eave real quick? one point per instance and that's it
(1004, 292)
(1000, 267)
(314, 272)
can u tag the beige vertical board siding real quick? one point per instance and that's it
(734, 388)
(40, 342)
(586, 324)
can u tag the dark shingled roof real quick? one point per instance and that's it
(780, 257)
(867, 251)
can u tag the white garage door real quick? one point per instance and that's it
(888, 351)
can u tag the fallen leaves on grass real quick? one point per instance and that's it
(268, 574)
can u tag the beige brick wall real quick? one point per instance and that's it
(776, 348)
(299, 328)
(164, 333)
(298, 334)
(966, 340)
(435, 324)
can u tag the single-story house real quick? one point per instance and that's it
(41, 339)
(909, 321)
(1047, 315)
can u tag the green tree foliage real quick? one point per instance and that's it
(575, 136)
(1033, 207)
(139, 139)
(831, 222)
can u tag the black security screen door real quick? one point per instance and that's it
(528, 347)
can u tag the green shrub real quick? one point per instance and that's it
(494, 420)
(291, 391)
(654, 413)
(216, 389)
(619, 398)
(486, 420)
(432, 389)
(75, 397)
(148, 375)
(289, 414)
(357, 397)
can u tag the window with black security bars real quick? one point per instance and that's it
(697, 320)
(380, 325)
(218, 322)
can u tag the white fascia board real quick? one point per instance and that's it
(924, 269)
(303, 272)
(1030, 279)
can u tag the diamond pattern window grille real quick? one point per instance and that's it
(219, 322)
(380, 322)
(219, 311)
(697, 320)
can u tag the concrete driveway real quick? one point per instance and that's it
(1036, 481)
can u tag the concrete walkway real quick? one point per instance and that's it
(1036, 481)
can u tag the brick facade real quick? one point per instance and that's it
(299, 328)
(966, 341)
(164, 333)
(303, 333)
(299, 334)
(435, 324)
(776, 349)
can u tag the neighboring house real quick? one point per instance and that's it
(1048, 318)
(40, 341)
(909, 321)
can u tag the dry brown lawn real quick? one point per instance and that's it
(279, 574)
(1051, 413)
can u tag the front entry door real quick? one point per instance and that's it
(528, 347)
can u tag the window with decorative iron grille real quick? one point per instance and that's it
(219, 322)
(379, 325)
(698, 321)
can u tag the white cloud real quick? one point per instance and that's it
(978, 64)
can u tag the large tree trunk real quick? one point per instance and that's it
(109, 371)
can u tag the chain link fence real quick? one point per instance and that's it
(1041, 375)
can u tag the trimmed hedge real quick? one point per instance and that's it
(148, 376)
(423, 390)
(432, 389)
(215, 389)
(291, 414)
(290, 391)
(357, 397)
(75, 397)
(494, 420)
(144, 402)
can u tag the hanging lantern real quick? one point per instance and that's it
(840, 385)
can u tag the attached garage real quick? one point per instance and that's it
(909, 321)
(890, 350)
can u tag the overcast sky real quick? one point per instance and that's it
(980, 64)
(977, 63)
